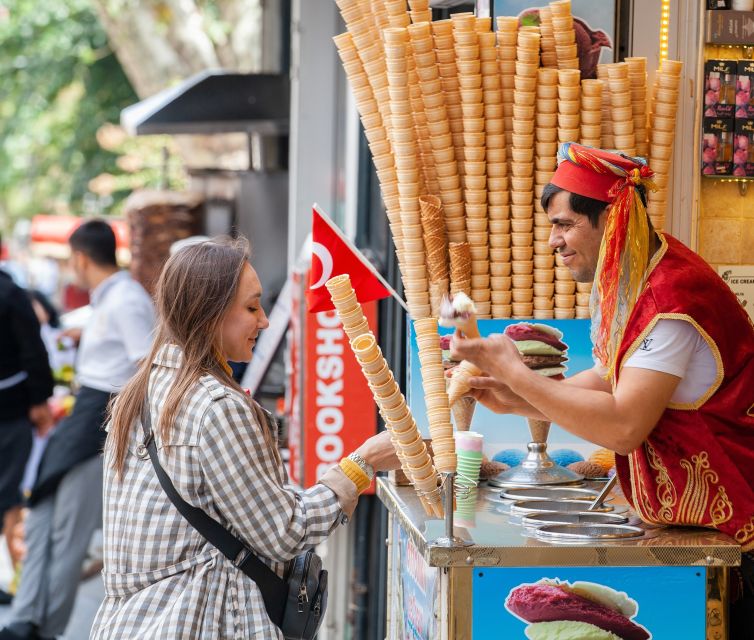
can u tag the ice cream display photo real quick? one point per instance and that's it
(541, 347)
(561, 610)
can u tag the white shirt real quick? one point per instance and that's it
(118, 334)
(676, 347)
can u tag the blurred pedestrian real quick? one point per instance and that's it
(66, 500)
(25, 385)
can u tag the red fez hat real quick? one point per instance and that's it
(591, 172)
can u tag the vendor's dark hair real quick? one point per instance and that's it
(95, 239)
(589, 207)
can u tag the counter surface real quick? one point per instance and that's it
(500, 540)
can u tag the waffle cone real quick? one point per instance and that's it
(463, 412)
(459, 383)
(437, 290)
(460, 267)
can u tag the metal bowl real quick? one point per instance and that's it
(586, 517)
(587, 532)
(524, 507)
(549, 493)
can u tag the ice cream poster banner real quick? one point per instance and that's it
(593, 22)
(590, 603)
(507, 435)
(417, 597)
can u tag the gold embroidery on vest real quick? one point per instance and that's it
(746, 533)
(721, 509)
(642, 503)
(666, 493)
(750, 412)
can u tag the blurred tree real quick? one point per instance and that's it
(61, 82)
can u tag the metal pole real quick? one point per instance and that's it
(449, 540)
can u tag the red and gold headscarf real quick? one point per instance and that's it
(624, 252)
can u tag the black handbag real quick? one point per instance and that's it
(297, 602)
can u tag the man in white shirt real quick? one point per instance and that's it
(66, 501)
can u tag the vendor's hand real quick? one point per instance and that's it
(496, 354)
(494, 395)
(41, 417)
(73, 333)
(378, 451)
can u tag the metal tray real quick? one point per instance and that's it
(549, 493)
(541, 519)
(587, 532)
(524, 507)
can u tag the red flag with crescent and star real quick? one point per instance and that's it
(332, 255)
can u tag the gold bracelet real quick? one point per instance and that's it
(355, 474)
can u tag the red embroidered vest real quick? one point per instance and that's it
(697, 466)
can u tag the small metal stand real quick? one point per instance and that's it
(449, 540)
(538, 468)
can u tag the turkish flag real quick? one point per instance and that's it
(332, 255)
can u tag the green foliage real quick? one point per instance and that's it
(60, 83)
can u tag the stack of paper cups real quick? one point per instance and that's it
(546, 149)
(548, 52)
(591, 112)
(464, 515)
(522, 174)
(621, 108)
(420, 11)
(662, 134)
(438, 127)
(468, 63)
(608, 141)
(435, 395)
(507, 38)
(637, 76)
(565, 37)
(583, 296)
(469, 454)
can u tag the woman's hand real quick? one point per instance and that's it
(495, 354)
(379, 452)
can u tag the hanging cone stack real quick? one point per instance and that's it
(435, 395)
(507, 39)
(405, 435)
(436, 247)
(460, 268)
(522, 174)
(591, 112)
(565, 37)
(438, 127)
(637, 76)
(545, 161)
(498, 196)
(608, 141)
(474, 172)
(621, 109)
(662, 134)
(548, 53)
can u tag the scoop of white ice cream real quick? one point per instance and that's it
(567, 630)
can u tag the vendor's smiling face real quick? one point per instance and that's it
(574, 237)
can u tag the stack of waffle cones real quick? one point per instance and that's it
(522, 173)
(507, 38)
(564, 34)
(474, 172)
(621, 108)
(637, 76)
(545, 147)
(407, 440)
(420, 11)
(436, 245)
(548, 53)
(583, 295)
(435, 395)
(591, 112)
(662, 134)
(460, 267)
(608, 141)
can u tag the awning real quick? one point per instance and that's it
(49, 236)
(214, 102)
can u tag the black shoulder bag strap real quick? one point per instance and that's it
(273, 588)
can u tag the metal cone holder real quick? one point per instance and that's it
(537, 468)
(449, 539)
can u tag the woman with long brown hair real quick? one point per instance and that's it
(162, 578)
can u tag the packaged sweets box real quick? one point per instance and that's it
(745, 89)
(743, 148)
(720, 88)
(717, 146)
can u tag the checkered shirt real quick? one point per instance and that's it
(163, 580)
